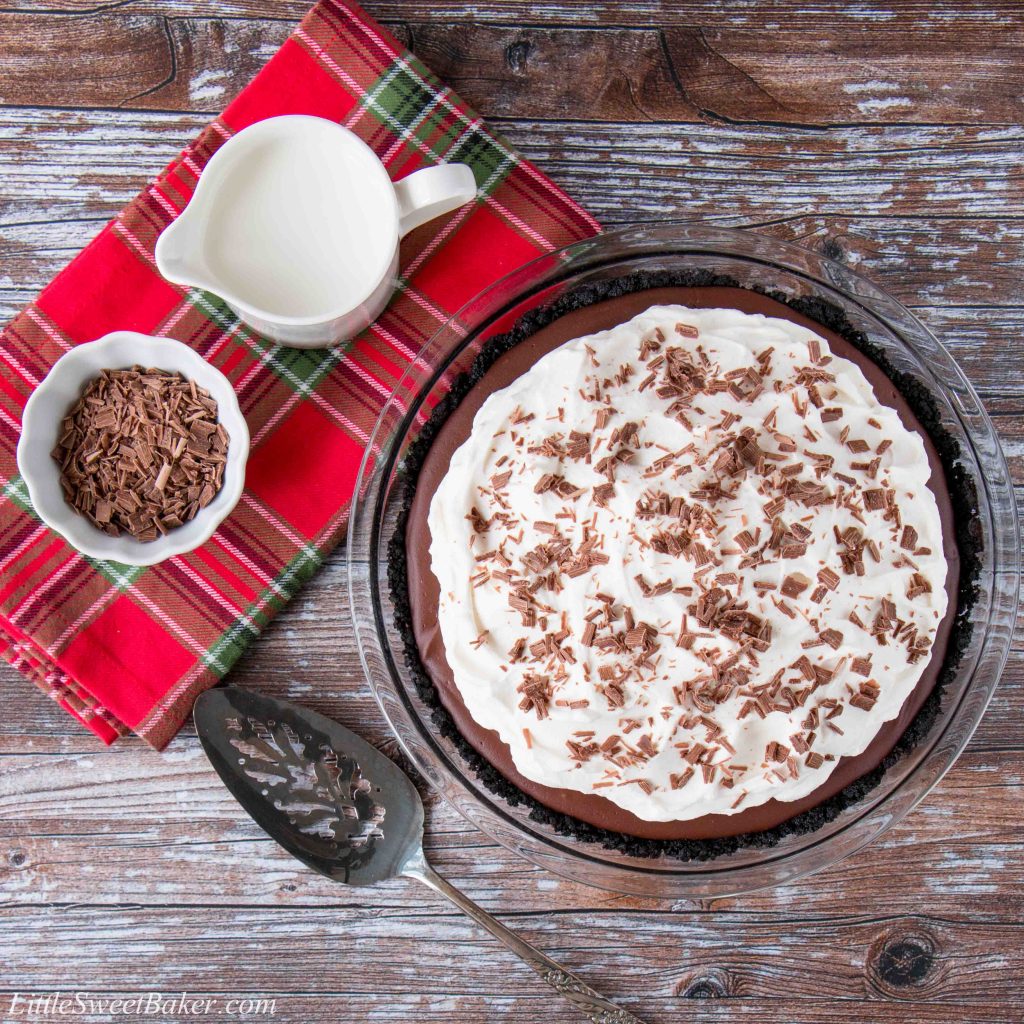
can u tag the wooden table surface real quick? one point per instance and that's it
(888, 135)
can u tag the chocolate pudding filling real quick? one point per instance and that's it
(571, 811)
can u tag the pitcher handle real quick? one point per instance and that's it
(426, 194)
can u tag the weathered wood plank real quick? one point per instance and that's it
(769, 15)
(939, 74)
(949, 262)
(709, 172)
(132, 60)
(166, 814)
(110, 58)
(938, 220)
(645, 961)
(625, 173)
(695, 73)
(700, 1001)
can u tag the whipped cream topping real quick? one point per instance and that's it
(688, 563)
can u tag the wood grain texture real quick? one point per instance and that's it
(687, 74)
(757, 15)
(932, 212)
(885, 134)
(672, 74)
(176, 807)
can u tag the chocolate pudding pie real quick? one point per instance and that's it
(681, 564)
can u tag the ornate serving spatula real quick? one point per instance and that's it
(345, 810)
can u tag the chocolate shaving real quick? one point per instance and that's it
(477, 521)
(799, 741)
(918, 585)
(794, 585)
(832, 637)
(536, 691)
(828, 578)
(602, 494)
(614, 694)
(874, 499)
(141, 452)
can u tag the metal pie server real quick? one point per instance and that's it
(344, 809)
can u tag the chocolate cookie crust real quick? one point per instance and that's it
(591, 817)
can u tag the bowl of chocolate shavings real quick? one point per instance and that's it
(133, 448)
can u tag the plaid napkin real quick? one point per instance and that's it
(124, 648)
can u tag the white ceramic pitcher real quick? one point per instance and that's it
(296, 224)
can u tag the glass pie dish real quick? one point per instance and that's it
(753, 261)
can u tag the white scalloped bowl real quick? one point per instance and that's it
(62, 387)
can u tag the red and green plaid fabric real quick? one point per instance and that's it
(128, 649)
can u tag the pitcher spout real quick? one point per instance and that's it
(179, 253)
